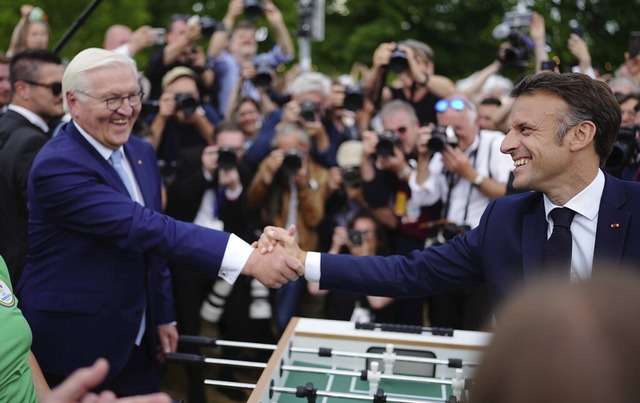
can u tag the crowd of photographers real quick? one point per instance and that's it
(388, 159)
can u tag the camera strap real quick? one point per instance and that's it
(452, 181)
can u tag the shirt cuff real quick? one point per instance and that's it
(207, 176)
(235, 258)
(232, 195)
(312, 267)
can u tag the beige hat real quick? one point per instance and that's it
(349, 154)
(177, 72)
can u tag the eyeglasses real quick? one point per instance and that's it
(114, 103)
(56, 88)
(457, 104)
(400, 130)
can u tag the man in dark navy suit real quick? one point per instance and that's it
(96, 282)
(562, 130)
(36, 77)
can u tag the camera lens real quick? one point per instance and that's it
(186, 103)
(398, 62)
(292, 162)
(387, 142)
(227, 158)
(253, 8)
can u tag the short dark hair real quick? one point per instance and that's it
(226, 126)
(586, 99)
(26, 65)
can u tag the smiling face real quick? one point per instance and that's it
(542, 161)
(109, 128)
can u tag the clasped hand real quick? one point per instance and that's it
(277, 259)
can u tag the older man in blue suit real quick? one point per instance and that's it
(96, 282)
(563, 127)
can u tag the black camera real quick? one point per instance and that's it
(149, 107)
(355, 237)
(292, 162)
(208, 25)
(308, 110)
(227, 158)
(351, 176)
(517, 54)
(515, 28)
(253, 8)
(186, 103)
(624, 149)
(440, 136)
(263, 76)
(387, 142)
(450, 231)
(398, 61)
(353, 98)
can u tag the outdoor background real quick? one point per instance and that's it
(458, 30)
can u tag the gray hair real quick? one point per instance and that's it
(398, 105)
(310, 82)
(75, 75)
(289, 129)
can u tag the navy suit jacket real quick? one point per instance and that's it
(20, 141)
(97, 258)
(503, 252)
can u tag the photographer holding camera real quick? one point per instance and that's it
(180, 49)
(362, 236)
(416, 83)
(237, 44)
(210, 190)
(290, 188)
(462, 167)
(182, 120)
(308, 107)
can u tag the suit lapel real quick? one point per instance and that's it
(612, 224)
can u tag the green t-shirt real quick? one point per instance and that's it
(16, 384)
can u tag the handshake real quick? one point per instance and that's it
(277, 258)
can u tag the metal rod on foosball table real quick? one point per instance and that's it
(294, 368)
(236, 363)
(423, 360)
(352, 396)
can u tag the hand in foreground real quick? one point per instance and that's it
(274, 236)
(275, 269)
(76, 388)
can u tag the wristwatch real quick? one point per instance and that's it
(477, 180)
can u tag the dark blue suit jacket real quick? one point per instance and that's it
(97, 258)
(503, 251)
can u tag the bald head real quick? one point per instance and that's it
(116, 36)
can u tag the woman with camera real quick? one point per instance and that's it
(415, 81)
(363, 236)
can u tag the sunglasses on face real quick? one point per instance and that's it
(56, 88)
(457, 104)
(399, 130)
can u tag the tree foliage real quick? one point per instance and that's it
(459, 31)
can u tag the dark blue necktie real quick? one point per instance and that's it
(557, 250)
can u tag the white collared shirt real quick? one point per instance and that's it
(583, 226)
(106, 152)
